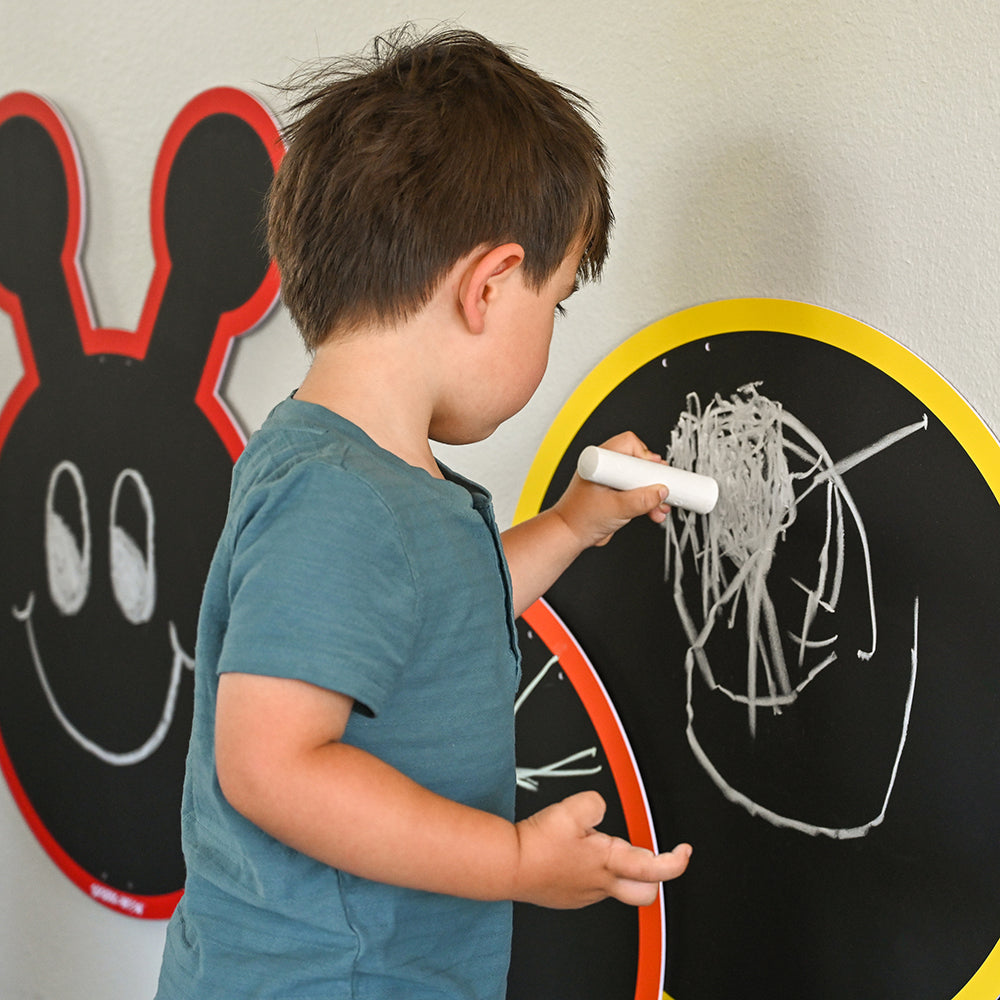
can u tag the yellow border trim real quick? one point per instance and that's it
(779, 316)
(801, 320)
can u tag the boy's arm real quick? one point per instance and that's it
(540, 549)
(281, 764)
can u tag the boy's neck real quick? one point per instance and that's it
(376, 380)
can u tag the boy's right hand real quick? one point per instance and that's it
(565, 863)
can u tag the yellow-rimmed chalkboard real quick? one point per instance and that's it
(834, 755)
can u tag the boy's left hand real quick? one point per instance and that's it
(594, 512)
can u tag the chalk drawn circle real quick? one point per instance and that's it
(814, 336)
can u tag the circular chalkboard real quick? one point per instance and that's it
(807, 676)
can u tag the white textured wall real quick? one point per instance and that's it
(842, 153)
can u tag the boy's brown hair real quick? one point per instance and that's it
(405, 160)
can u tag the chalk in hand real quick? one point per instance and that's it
(688, 490)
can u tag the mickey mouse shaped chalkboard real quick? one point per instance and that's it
(115, 459)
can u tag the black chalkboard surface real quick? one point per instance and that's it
(809, 684)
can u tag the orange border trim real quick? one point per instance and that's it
(574, 663)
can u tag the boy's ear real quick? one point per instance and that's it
(484, 276)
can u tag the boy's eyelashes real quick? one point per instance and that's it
(560, 307)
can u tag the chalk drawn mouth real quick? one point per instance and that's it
(181, 660)
(763, 812)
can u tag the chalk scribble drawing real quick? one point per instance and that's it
(767, 462)
(528, 777)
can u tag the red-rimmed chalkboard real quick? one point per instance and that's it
(116, 454)
(570, 739)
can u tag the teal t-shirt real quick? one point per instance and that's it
(343, 566)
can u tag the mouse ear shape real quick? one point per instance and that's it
(213, 278)
(41, 233)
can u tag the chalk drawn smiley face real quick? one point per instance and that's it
(98, 623)
(116, 454)
(132, 572)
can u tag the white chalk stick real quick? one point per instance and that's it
(688, 490)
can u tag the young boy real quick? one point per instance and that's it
(348, 806)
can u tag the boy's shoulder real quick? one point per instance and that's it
(304, 445)
(309, 482)
(313, 491)
(297, 435)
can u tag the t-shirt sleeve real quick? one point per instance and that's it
(320, 587)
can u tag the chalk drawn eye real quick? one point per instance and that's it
(133, 563)
(67, 538)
